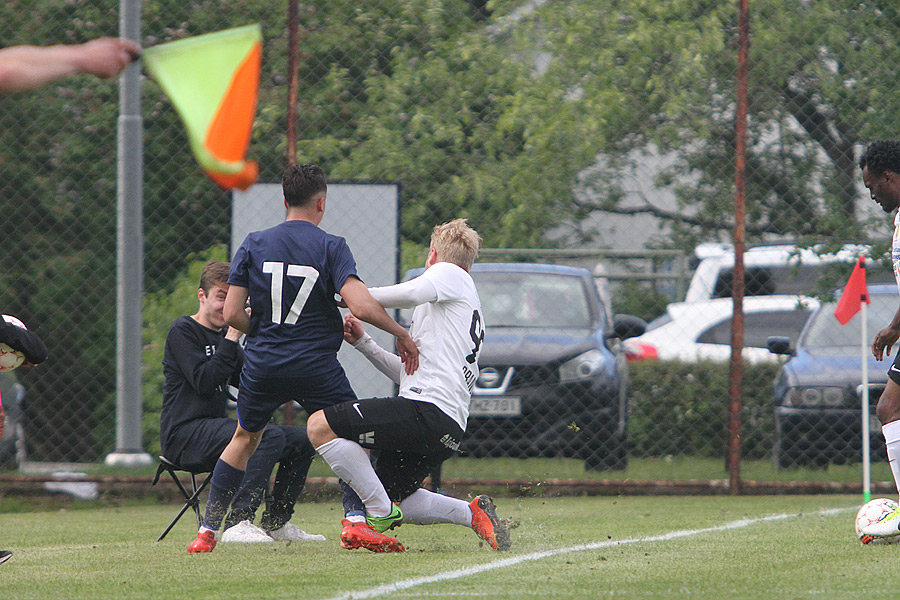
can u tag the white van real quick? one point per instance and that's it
(781, 269)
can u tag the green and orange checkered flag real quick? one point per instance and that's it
(213, 83)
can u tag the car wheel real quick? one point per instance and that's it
(610, 454)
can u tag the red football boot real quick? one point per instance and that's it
(362, 535)
(487, 525)
(205, 542)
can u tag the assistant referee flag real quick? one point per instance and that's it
(855, 293)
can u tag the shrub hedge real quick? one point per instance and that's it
(682, 409)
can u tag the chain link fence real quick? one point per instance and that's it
(591, 125)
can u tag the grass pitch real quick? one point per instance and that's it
(586, 547)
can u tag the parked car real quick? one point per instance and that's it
(778, 269)
(694, 331)
(818, 389)
(12, 443)
(551, 381)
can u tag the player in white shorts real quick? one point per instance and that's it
(412, 433)
(880, 165)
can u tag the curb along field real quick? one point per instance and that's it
(327, 488)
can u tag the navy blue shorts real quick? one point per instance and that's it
(259, 397)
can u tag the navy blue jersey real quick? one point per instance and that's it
(293, 271)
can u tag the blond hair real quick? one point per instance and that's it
(455, 242)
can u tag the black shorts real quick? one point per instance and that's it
(894, 371)
(408, 438)
(196, 445)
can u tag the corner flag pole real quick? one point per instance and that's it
(867, 472)
(852, 301)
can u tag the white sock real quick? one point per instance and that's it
(891, 433)
(427, 508)
(350, 462)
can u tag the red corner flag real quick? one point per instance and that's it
(854, 294)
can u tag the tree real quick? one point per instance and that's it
(816, 94)
(495, 111)
(499, 123)
(58, 184)
(54, 187)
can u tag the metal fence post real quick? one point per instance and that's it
(130, 248)
(737, 322)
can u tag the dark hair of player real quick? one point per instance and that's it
(302, 184)
(215, 271)
(881, 156)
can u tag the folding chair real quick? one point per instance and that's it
(191, 499)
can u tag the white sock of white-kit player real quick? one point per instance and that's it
(350, 462)
(428, 508)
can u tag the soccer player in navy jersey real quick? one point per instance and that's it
(202, 357)
(291, 273)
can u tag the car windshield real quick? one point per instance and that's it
(532, 300)
(824, 330)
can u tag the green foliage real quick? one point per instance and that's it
(493, 113)
(58, 201)
(685, 406)
(640, 300)
(412, 255)
(816, 71)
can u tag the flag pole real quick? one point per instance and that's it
(867, 467)
(852, 301)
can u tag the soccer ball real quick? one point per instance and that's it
(9, 358)
(869, 513)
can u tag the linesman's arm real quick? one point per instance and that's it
(31, 67)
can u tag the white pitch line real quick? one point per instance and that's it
(392, 588)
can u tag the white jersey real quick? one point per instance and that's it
(447, 328)
(895, 249)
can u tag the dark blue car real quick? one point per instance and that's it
(549, 382)
(818, 406)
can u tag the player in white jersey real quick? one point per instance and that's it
(880, 166)
(414, 432)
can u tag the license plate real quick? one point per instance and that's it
(495, 406)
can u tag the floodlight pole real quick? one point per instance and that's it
(737, 277)
(293, 87)
(129, 253)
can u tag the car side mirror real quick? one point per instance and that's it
(779, 344)
(627, 326)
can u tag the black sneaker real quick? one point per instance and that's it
(5, 555)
